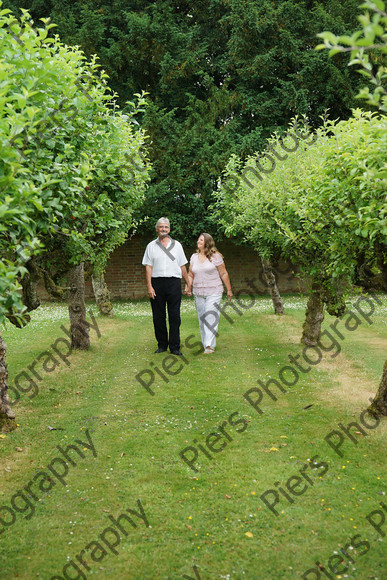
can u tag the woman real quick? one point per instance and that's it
(206, 273)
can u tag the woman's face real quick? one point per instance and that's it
(201, 243)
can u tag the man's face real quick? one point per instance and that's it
(163, 230)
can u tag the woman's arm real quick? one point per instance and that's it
(225, 279)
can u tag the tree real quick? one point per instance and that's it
(17, 206)
(318, 206)
(259, 201)
(368, 48)
(222, 76)
(68, 189)
(356, 168)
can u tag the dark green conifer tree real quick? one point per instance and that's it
(222, 75)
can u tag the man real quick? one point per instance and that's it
(164, 262)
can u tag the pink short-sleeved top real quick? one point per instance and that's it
(206, 280)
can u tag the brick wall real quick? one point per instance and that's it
(125, 275)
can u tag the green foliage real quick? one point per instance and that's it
(353, 192)
(67, 155)
(262, 205)
(368, 48)
(222, 76)
(324, 205)
(321, 207)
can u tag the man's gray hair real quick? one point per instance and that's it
(163, 220)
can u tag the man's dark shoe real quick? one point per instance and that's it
(160, 350)
(177, 352)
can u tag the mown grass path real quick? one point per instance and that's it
(213, 518)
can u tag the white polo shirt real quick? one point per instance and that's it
(165, 262)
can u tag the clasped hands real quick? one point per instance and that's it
(188, 292)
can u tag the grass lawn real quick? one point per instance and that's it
(211, 523)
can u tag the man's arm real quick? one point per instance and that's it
(188, 287)
(181, 259)
(184, 273)
(148, 276)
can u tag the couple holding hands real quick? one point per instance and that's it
(165, 265)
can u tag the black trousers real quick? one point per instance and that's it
(168, 293)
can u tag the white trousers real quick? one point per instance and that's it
(208, 310)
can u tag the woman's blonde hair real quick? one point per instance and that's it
(209, 246)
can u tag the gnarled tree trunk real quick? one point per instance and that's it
(272, 285)
(79, 327)
(314, 316)
(29, 283)
(7, 416)
(378, 406)
(102, 294)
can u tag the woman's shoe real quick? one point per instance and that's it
(208, 350)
